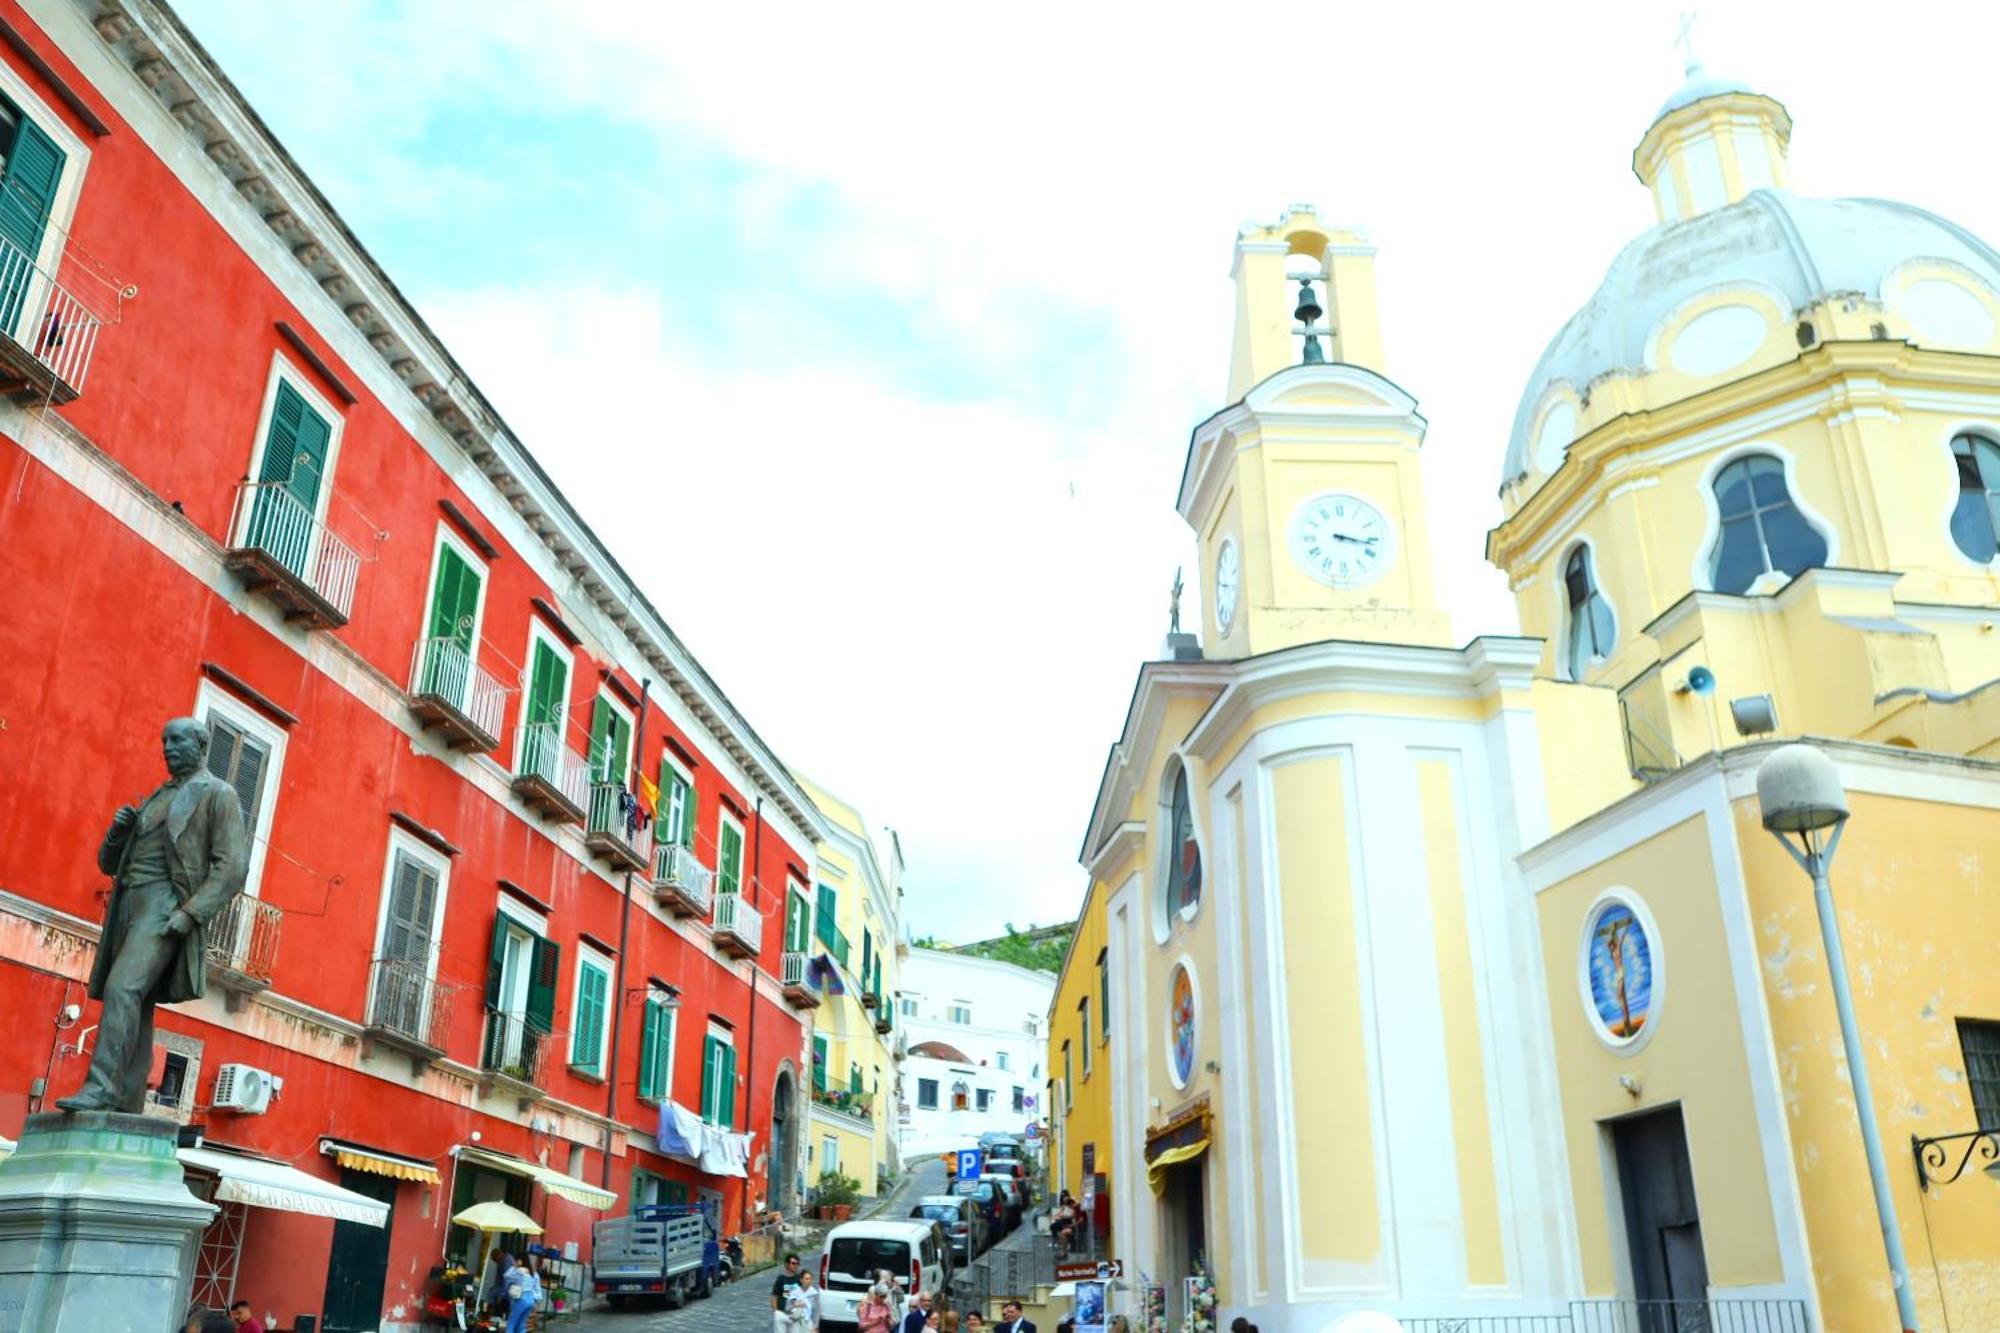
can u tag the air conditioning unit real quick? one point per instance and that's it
(244, 1088)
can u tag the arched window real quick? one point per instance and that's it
(1975, 520)
(1590, 629)
(1762, 530)
(1183, 853)
(961, 1096)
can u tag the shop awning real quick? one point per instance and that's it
(1156, 1170)
(262, 1183)
(555, 1182)
(378, 1163)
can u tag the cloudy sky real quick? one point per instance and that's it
(870, 336)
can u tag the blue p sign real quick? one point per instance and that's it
(971, 1161)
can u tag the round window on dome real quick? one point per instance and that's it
(1944, 314)
(1718, 340)
(1552, 441)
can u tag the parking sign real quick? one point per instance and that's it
(971, 1162)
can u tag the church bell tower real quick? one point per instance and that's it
(1305, 493)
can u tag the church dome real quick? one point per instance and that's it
(1792, 249)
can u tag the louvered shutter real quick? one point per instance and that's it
(547, 684)
(295, 449)
(688, 810)
(542, 985)
(729, 859)
(496, 961)
(728, 1084)
(823, 922)
(709, 1078)
(819, 1062)
(601, 740)
(412, 902)
(27, 192)
(648, 1061)
(455, 599)
(586, 1048)
(240, 760)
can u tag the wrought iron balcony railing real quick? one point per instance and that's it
(49, 333)
(1687, 1316)
(409, 1008)
(739, 930)
(795, 974)
(517, 1049)
(616, 829)
(842, 1099)
(280, 548)
(553, 778)
(243, 946)
(681, 883)
(452, 692)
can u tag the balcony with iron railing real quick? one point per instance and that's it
(617, 831)
(553, 779)
(739, 930)
(48, 333)
(885, 1019)
(514, 1057)
(858, 1104)
(795, 976)
(452, 693)
(409, 1009)
(681, 883)
(243, 948)
(281, 549)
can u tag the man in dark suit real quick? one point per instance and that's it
(175, 862)
(1011, 1321)
(915, 1317)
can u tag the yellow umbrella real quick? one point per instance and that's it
(495, 1216)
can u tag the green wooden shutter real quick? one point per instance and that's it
(823, 922)
(295, 449)
(587, 1048)
(542, 985)
(710, 1078)
(820, 1056)
(729, 859)
(688, 812)
(867, 956)
(648, 1059)
(547, 684)
(663, 1051)
(455, 598)
(610, 742)
(728, 1084)
(496, 960)
(27, 193)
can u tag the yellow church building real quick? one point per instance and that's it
(1461, 983)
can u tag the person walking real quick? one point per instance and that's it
(913, 1318)
(781, 1295)
(805, 1303)
(1011, 1321)
(524, 1293)
(875, 1314)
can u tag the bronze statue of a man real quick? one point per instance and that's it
(175, 862)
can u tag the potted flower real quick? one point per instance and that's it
(836, 1195)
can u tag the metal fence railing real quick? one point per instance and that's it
(406, 1002)
(735, 916)
(443, 669)
(516, 1046)
(272, 519)
(544, 756)
(678, 874)
(243, 938)
(1614, 1316)
(615, 814)
(46, 317)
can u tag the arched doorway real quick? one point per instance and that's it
(784, 1170)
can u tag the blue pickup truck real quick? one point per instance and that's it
(664, 1251)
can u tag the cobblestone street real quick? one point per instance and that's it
(740, 1307)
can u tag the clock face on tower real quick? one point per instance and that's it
(1228, 575)
(1341, 539)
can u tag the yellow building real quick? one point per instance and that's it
(840, 949)
(1462, 983)
(1080, 1145)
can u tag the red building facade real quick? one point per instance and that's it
(243, 480)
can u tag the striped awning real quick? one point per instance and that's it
(555, 1182)
(263, 1183)
(378, 1163)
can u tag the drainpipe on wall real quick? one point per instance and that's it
(624, 938)
(750, 1054)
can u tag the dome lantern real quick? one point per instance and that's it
(1712, 143)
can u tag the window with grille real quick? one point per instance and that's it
(1979, 1041)
(1762, 529)
(246, 752)
(592, 1012)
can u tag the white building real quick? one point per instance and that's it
(976, 1038)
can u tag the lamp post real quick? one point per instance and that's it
(1800, 796)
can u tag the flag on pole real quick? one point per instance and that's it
(649, 796)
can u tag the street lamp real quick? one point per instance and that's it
(1799, 793)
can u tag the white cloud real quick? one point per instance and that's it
(896, 584)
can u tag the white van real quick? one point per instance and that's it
(914, 1252)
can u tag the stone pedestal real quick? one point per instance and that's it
(96, 1226)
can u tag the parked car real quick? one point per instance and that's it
(1015, 1167)
(992, 1201)
(1016, 1195)
(914, 1252)
(963, 1219)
